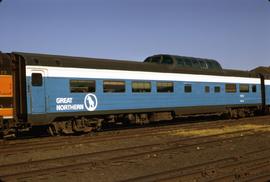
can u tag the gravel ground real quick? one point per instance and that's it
(230, 152)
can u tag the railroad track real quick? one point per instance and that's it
(226, 169)
(56, 143)
(26, 170)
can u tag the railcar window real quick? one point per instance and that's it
(254, 88)
(206, 89)
(165, 87)
(113, 86)
(37, 79)
(196, 64)
(167, 60)
(148, 60)
(203, 65)
(180, 62)
(216, 66)
(217, 89)
(230, 88)
(188, 63)
(141, 86)
(82, 86)
(155, 59)
(210, 65)
(188, 88)
(244, 88)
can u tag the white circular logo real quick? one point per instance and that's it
(90, 102)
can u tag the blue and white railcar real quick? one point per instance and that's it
(168, 91)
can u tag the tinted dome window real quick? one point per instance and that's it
(167, 60)
(186, 62)
(155, 59)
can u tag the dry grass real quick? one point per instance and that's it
(216, 131)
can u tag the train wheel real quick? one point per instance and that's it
(52, 131)
(99, 125)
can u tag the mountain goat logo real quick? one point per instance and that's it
(90, 102)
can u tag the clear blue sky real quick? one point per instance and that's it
(235, 32)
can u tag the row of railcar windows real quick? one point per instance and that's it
(109, 86)
(229, 88)
(82, 86)
(243, 88)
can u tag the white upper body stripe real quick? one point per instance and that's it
(137, 75)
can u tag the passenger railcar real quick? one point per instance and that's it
(71, 94)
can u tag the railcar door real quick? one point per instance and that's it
(37, 92)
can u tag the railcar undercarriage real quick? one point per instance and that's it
(86, 124)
